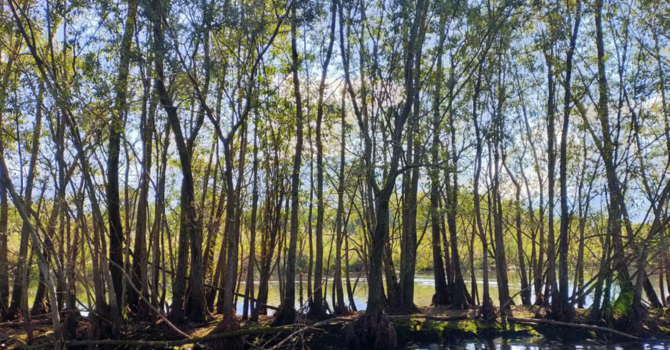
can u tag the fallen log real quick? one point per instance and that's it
(21, 324)
(571, 325)
(173, 343)
(430, 318)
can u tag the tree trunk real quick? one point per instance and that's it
(441, 296)
(317, 308)
(22, 274)
(116, 235)
(287, 313)
(525, 287)
(340, 227)
(486, 309)
(563, 311)
(42, 262)
(140, 254)
(190, 229)
(249, 290)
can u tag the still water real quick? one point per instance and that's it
(532, 344)
(424, 288)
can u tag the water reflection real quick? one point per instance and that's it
(530, 344)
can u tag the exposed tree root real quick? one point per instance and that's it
(372, 330)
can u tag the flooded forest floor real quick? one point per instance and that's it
(432, 325)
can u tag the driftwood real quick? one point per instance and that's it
(572, 325)
(172, 343)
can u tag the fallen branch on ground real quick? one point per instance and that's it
(46, 322)
(431, 318)
(572, 325)
(172, 343)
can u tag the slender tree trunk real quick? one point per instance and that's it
(441, 296)
(4, 202)
(42, 262)
(116, 234)
(317, 308)
(22, 279)
(340, 227)
(525, 287)
(486, 310)
(287, 312)
(564, 311)
(190, 229)
(550, 289)
(156, 230)
(140, 254)
(249, 290)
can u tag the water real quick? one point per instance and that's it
(424, 288)
(533, 344)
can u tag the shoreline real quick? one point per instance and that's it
(434, 325)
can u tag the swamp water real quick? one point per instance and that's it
(424, 288)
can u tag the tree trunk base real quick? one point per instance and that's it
(198, 315)
(341, 311)
(632, 321)
(459, 302)
(316, 312)
(176, 314)
(13, 314)
(440, 298)
(40, 308)
(562, 310)
(487, 311)
(99, 328)
(284, 316)
(227, 324)
(372, 330)
(71, 325)
(404, 309)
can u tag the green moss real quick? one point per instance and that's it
(466, 326)
(432, 331)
